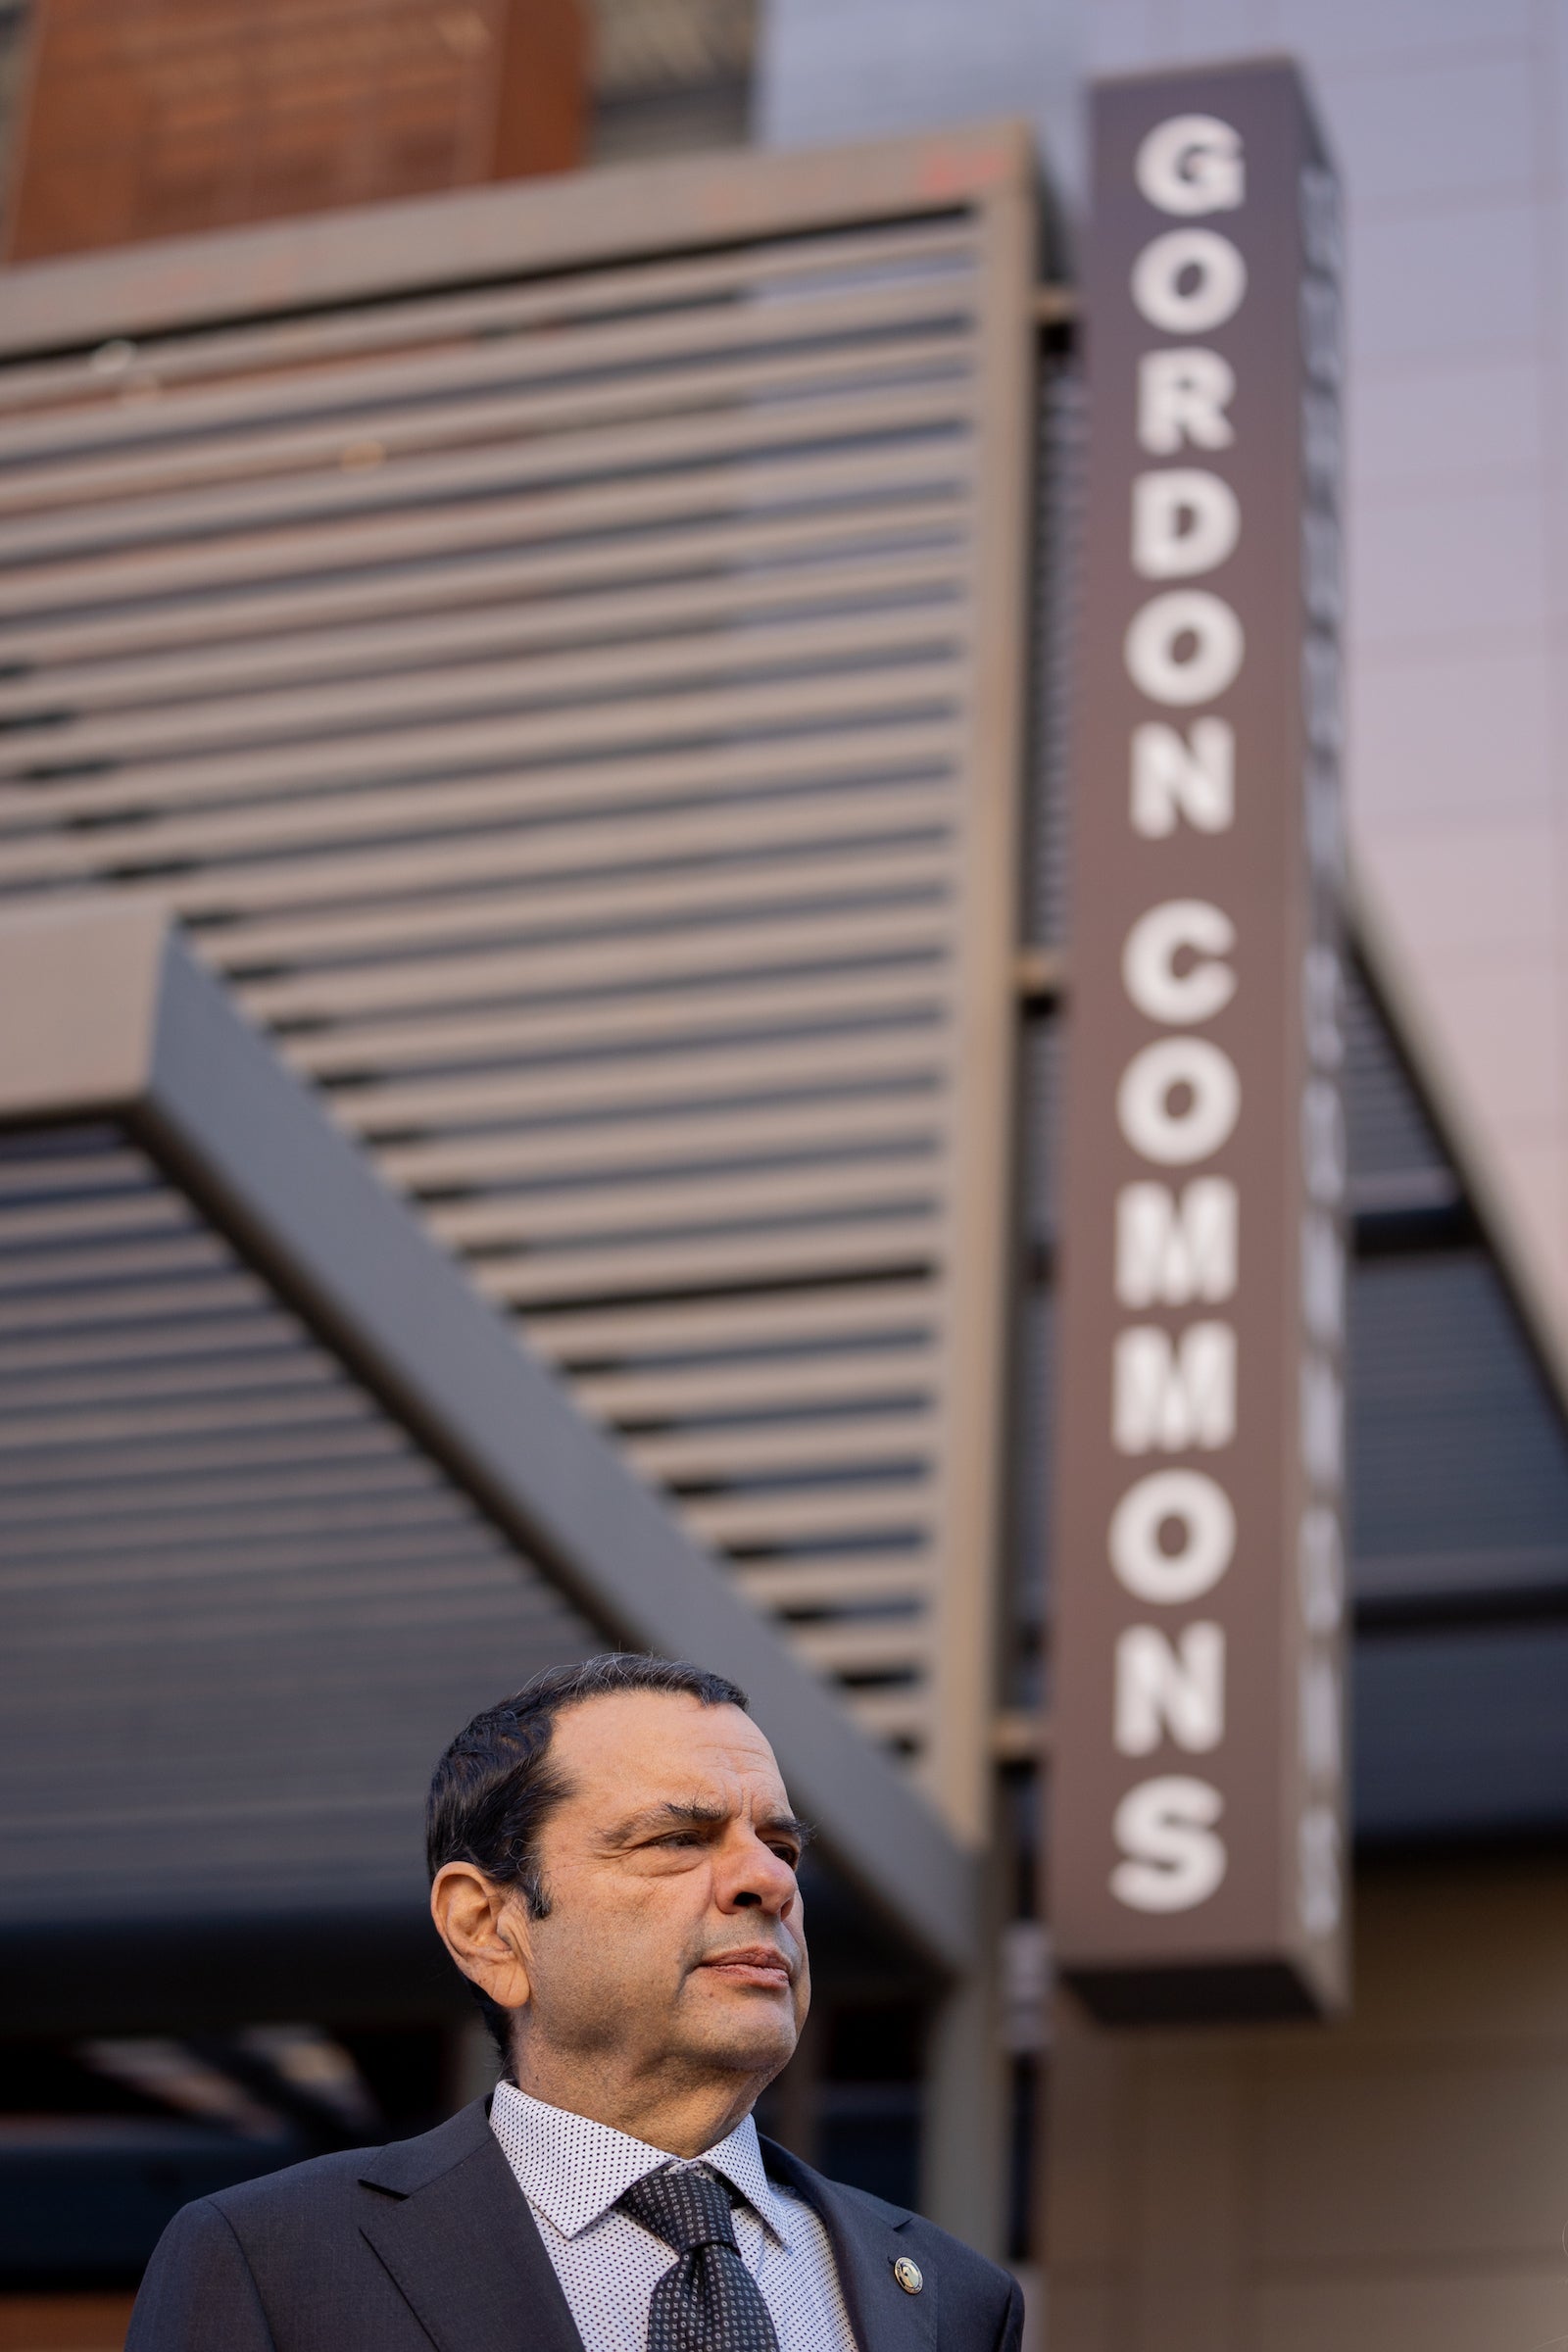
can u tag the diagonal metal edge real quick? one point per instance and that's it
(151, 1037)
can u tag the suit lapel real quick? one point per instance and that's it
(866, 2240)
(450, 2224)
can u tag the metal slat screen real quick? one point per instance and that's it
(551, 703)
(242, 1609)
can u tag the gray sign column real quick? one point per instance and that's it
(1198, 1818)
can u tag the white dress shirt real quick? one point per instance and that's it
(572, 2170)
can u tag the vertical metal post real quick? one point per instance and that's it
(979, 1226)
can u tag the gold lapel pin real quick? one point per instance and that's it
(907, 2275)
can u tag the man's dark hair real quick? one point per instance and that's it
(494, 1789)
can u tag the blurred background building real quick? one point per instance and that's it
(535, 641)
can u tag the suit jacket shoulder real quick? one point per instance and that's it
(322, 2184)
(425, 2242)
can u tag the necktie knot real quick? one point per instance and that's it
(707, 2300)
(686, 2205)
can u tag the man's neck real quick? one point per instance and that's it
(684, 2120)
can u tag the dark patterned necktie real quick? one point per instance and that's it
(708, 2301)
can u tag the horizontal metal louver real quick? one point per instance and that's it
(218, 1554)
(571, 695)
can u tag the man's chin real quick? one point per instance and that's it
(754, 2035)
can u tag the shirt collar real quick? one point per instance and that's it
(573, 2169)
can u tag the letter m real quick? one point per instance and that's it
(1173, 1395)
(1170, 1252)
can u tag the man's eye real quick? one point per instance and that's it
(790, 1855)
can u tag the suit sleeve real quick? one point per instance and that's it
(199, 2294)
(1012, 2335)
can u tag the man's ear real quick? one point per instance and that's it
(486, 1929)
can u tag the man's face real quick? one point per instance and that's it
(674, 1945)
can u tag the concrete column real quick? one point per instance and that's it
(965, 2130)
(964, 2135)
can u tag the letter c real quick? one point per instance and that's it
(1149, 962)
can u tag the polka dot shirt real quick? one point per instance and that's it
(572, 2170)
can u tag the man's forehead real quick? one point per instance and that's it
(664, 1744)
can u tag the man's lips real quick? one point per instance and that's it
(752, 1964)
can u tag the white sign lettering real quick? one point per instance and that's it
(1165, 1831)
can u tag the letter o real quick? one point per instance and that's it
(1173, 1137)
(1151, 647)
(1208, 1518)
(1191, 164)
(1194, 310)
(1149, 962)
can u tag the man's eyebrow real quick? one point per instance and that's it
(698, 1815)
(788, 1825)
(694, 1814)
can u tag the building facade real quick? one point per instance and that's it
(591, 670)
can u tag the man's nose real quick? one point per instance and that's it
(757, 1878)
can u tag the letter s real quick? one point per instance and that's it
(1165, 1830)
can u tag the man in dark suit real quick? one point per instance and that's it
(613, 1868)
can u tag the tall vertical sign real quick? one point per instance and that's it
(1198, 1777)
